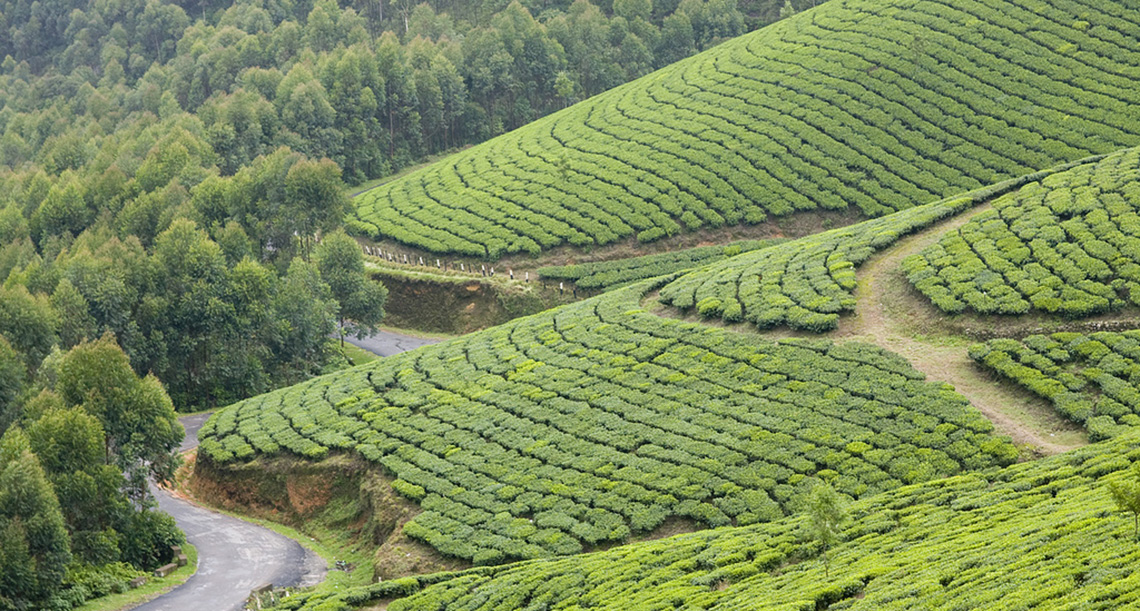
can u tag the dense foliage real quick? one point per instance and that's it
(120, 122)
(372, 92)
(606, 275)
(864, 103)
(76, 517)
(807, 283)
(590, 422)
(1090, 379)
(211, 322)
(1037, 535)
(1069, 245)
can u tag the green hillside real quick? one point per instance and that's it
(807, 283)
(1069, 246)
(606, 275)
(594, 421)
(1039, 535)
(872, 103)
(1090, 379)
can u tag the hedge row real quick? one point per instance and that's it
(1069, 245)
(807, 283)
(1090, 379)
(591, 422)
(607, 275)
(1036, 535)
(851, 104)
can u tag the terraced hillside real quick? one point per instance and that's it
(807, 283)
(606, 275)
(1090, 379)
(1069, 245)
(879, 104)
(590, 422)
(1038, 535)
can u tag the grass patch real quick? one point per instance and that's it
(155, 587)
(356, 355)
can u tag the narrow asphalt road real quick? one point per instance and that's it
(234, 556)
(386, 343)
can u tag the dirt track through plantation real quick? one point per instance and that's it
(886, 313)
(891, 314)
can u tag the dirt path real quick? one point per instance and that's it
(891, 314)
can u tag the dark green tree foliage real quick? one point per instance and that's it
(198, 308)
(141, 431)
(70, 445)
(28, 322)
(34, 550)
(76, 322)
(314, 200)
(306, 314)
(360, 299)
(13, 375)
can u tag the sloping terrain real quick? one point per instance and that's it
(591, 422)
(1068, 246)
(868, 103)
(1037, 535)
(1090, 379)
(607, 275)
(807, 283)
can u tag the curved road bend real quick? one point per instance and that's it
(386, 343)
(234, 556)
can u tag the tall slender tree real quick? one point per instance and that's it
(361, 299)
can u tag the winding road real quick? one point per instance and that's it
(386, 343)
(235, 556)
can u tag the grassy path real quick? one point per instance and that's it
(891, 314)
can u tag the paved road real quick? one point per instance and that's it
(385, 343)
(234, 556)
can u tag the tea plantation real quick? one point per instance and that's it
(1037, 535)
(588, 423)
(871, 103)
(1090, 379)
(606, 275)
(1069, 246)
(807, 283)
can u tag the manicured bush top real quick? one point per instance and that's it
(591, 422)
(875, 104)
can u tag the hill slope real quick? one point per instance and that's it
(1039, 535)
(1068, 246)
(593, 421)
(807, 283)
(876, 104)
